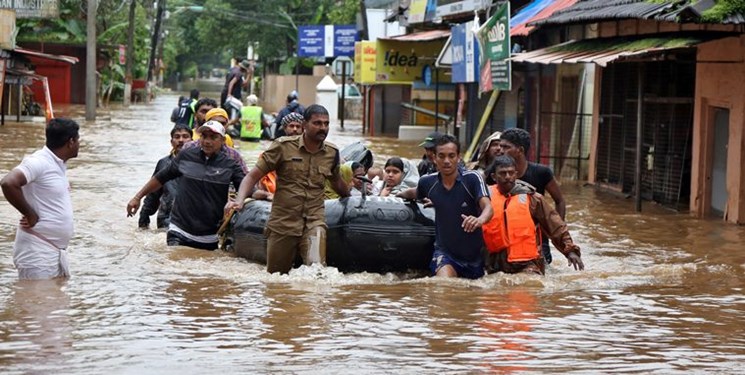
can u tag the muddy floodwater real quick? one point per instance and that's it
(662, 292)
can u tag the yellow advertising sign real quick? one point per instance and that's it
(364, 62)
(403, 62)
(417, 9)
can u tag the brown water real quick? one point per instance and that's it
(662, 292)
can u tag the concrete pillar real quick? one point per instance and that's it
(326, 96)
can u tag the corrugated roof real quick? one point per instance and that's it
(585, 11)
(537, 10)
(606, 50)
(422, 36)
(28, 52)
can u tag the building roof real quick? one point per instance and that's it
(536, 10)
(606, 50)
(422, 36)
(48, 56)
(585, 11)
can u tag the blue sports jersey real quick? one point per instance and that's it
(463, 198)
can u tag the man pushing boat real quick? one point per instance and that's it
(302, 162)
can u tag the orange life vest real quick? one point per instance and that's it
(269, 182)
(511, 228)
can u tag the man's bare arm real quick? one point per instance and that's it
(11, 185)
(150, 186)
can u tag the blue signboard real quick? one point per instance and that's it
(344, 38)
(311, 41)
(465, 54)
(326, 40)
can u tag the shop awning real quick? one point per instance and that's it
(537, 10)
(48, 56)
(607, 50)
(422, 36)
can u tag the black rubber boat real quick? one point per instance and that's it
(373, 234)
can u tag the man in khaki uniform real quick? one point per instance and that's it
(302, 162)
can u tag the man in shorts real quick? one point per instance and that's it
(462, 206)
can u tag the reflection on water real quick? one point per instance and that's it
(662, 291)
(35, 323)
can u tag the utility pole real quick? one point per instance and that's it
(90, 63)
(363, 16)
(154, 44)
(130, 53)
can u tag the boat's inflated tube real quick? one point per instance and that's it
(374, 234)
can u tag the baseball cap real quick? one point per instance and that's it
(245, 64)
(431, 140)
(212, 126)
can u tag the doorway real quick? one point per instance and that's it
(719, 162)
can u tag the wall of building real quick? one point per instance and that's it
(720, 74)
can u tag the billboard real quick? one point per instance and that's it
(365, 55)
(446, 8)
(326, 40)
(465, 53)
(403, 62)
(32, 8)
(494, 42)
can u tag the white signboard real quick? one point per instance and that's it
(452, 7)
(32, 8)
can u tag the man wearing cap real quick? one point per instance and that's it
(427, 165)
(252, 122)
(235, 81)
(206, 175)
(293, 106)
(303, 163)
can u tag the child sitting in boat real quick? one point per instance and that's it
(400, 174)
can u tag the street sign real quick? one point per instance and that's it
(339, 63)
(326, 40)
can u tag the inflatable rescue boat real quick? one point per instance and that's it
(365, 233)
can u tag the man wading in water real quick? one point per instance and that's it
(303, 163)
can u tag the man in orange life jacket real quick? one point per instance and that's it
(512, 237)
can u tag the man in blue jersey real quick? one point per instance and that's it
(462, 206)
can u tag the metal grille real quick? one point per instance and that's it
(565, 133)
(667, 113)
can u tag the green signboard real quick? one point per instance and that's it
(494, 40)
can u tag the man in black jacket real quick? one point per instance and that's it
(206, 174)
(161, 200)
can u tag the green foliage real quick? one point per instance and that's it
(225, 28)
(345, 12)
(722, 9)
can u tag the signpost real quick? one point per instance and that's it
(326, 40)
(330, 41)
(340, 68)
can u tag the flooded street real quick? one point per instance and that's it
(662, 292)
